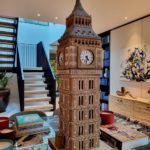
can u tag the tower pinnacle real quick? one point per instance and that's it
(78, 10)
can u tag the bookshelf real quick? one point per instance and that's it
(105, 78)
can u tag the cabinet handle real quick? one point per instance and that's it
(119, 100)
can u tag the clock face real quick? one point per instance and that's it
(86, 57)
(60, 58)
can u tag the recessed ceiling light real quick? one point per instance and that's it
(125, 18)
(38, 14)
(56, 18)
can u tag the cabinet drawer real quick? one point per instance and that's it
(121, 106)
(141, 111)
(114, 104)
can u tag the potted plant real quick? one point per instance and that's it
(4, 92)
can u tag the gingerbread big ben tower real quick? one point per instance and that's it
(79, 58)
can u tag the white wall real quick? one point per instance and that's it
(133, 35)
(33, 34)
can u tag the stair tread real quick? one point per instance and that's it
(33, 68)
(6, 56)
(5, 33)
(7, 42)
(41, 107)
(6, 69)
(32, 85)
(36, 91)
(7, 49)
(6, 62)
(38, 98)
(9, 17)
(36, 78)
(8, 25)
(33, 73)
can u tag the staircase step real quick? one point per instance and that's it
(33, 69)
(6, 62)
(10, 42)
(37, 92)
(33, 100)
(9, 17)
(8, 25)
(8, 69)
(33, 73)
(10, 34)
(6, 56)
(36, 85)
(40, 108)
(34, 79)
(5, 49)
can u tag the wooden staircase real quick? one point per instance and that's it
(8, 41)
(36, 93)
(36, 86)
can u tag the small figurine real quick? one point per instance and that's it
(124, 92)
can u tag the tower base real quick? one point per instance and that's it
(103, 146)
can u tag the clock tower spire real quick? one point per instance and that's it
(79, 60)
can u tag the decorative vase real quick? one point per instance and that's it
(4, 99)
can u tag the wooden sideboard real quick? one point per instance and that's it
(138, 108)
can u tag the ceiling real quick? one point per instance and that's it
(106, 14)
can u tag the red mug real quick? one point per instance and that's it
(4, 123)
(107, 117)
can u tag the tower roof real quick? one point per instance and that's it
(78, 10)
(79, 30)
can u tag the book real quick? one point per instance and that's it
(123, 137)
(29, 140)
(27, 120)
(31, 130)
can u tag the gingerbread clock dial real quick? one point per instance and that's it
(60, 58)
(86, 57)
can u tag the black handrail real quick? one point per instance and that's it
(42, 61)
(20, 77)
(16, 39)
(19, 71)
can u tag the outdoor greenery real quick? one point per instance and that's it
(53, 64)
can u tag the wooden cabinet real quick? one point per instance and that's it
(121, 106)
(141, 111)
(138, 109)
